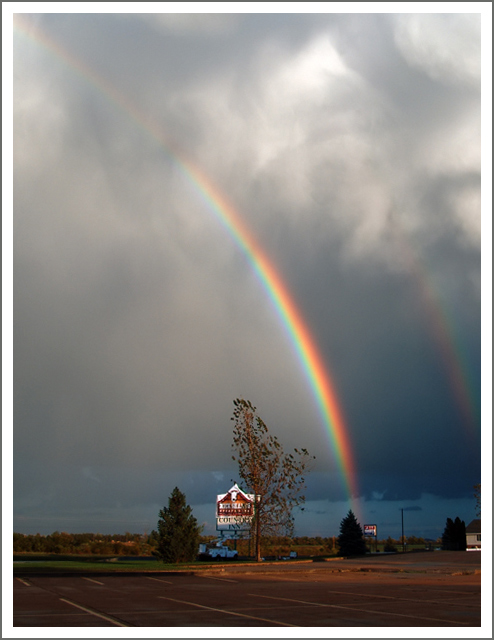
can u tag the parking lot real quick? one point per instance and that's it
(388, 593)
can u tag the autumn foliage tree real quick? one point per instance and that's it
(477, 493)
(274, 477)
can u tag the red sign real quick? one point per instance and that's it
(234, 503)
(370, 530)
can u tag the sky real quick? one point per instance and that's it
(349, 145)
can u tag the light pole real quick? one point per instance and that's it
(402, 533)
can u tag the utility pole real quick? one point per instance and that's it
(402, 533)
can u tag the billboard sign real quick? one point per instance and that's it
(233, 523)
(234, 510)
(234, 520)
(370, 530)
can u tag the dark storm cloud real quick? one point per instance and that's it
(137, 318)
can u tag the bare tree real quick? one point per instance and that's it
(477, 499)
(275, 478)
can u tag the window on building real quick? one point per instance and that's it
(478, 537)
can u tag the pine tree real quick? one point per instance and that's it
(351, 539)
(178, 531)
(454, 535)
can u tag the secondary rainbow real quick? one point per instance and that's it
(441, 328)
(308, 354)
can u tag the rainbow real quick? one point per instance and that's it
(315, 371)
(305, 347)
(442, 331)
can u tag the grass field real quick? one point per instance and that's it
(25, 564)
(83, 564)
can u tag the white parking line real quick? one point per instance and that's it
(381, 613)
(220, 579)
(24, 582)
(373, 595)
(159, 580)
(232, 613)
(91, 580)
(96, 613)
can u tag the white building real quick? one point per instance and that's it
(473, 535)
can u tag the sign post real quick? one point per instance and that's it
(370, 531)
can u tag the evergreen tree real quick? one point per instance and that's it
(454, 535)
(178, 531)
(351, 539)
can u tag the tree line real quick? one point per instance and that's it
(128, 544)
(349, 542)
(135, 544)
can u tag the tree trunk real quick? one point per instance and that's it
(258, 537)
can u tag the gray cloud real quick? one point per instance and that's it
(340, 140)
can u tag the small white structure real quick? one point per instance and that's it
(473, 535)
(218, 551)
(221, 551)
